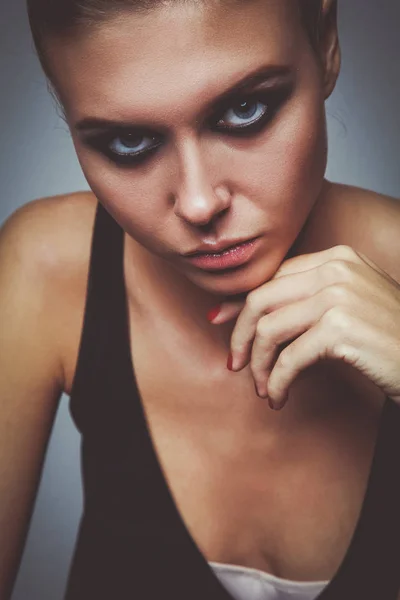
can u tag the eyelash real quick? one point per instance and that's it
(272, 99)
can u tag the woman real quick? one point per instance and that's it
(252, 303)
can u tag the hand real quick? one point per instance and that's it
(331, 304)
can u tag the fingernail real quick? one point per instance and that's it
(229, 362)
(213, 313)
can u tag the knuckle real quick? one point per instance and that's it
(284, 359)
(345, 252)
(257, 371)
(337, 270)
(336, 319)
(336, 293)
(342, 351)
(266, 333)
(252, 300)
(262, 328)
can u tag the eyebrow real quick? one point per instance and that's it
(260, 75)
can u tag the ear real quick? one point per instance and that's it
(328, 45)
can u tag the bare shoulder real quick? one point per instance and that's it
(50, 238)
(53, 229)
(374, 225)
(367, 221)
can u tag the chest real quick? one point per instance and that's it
(276, 491)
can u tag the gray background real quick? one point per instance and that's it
(37, 159)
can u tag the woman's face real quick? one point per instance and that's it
(200, 124)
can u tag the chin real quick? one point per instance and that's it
(233, 282)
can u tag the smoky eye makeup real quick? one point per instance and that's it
(250, 113)
(124, 146)
(243, 114)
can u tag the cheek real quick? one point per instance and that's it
(286, 173)
(133, 200)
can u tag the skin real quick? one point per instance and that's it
(334, 304)
(203, 186)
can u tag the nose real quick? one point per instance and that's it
(200, 196)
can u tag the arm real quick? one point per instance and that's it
(31, 380)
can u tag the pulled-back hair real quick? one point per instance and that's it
(63, 17)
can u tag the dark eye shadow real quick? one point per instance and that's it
(101, 141)
(273, 98)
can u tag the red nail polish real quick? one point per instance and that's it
(229, 362)
(213, 312)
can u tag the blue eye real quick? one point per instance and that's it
(125, 147)
(243, 114)
(132, 144)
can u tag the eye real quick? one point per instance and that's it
(249, 114)
(243, 114)
(124, 147)
(131, 144)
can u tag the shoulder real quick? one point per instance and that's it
(373, 226)
(53, 228)
(365, 220)
(47, 244)
(48, 230)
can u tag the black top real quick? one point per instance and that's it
(132, 541)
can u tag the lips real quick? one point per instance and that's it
(218, 249)
(228, 258)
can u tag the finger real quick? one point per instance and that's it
(229, 310)
(278, 328)
(302, 353)
(339, 334)
(297, 287)
(305, 262)
(271, 297)
(287, 288)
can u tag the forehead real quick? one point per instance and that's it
(172, 53)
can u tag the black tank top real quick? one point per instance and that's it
(132, 542)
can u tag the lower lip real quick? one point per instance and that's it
(234, 257)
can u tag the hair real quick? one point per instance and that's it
(68, 17)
